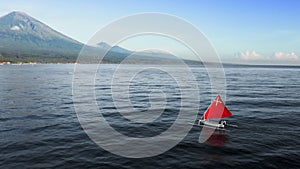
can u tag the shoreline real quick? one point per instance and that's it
(225, 65)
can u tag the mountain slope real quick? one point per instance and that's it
(23, 38)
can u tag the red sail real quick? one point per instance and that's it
(217, 109)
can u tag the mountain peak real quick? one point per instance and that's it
(18, 21)
(21, 34)
(16, 13)
(103, 45)
(19, 24)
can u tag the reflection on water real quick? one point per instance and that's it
(219, 138)
(213, 137)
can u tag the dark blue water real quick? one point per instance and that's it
(39, 127)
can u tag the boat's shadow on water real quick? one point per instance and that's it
(214, 139)
(218, 138)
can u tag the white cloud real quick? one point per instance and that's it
(15, 28)
(277, 57)
(285, 56)
(250, 55)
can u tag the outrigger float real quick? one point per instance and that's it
(215, 111)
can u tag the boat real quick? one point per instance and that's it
(216, 111)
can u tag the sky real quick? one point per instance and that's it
(244, 31)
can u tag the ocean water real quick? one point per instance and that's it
(39, 126)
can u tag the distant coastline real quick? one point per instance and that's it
(225, 65)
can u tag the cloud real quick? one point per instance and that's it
(276, 57)
(250, 55)
(15, 28)
(285, 56)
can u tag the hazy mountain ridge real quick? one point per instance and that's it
(25, 39)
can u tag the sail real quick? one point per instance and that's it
(217, 109)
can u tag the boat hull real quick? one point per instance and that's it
(216, 124)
